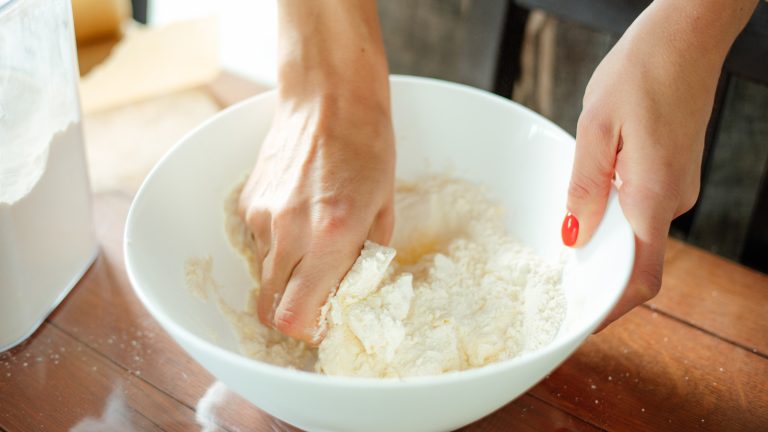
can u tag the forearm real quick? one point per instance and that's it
(700, 30)
(324, 45)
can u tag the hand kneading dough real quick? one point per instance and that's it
(453, 292)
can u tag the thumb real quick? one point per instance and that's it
(597, 142)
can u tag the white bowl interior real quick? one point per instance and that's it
(523, 160)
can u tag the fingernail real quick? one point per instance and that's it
(570, 229)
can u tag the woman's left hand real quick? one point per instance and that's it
(644, 119)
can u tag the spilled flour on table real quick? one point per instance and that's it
(454, 292)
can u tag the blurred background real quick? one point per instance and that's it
(166, 65)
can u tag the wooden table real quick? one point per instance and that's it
(695, 358)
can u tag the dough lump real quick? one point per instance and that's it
(454, 292)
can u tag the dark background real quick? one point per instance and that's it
(541, 53)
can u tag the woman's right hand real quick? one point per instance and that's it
(324, 179)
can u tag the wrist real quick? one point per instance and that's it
(331, 47)
(701, 31)
(362, 75)
(333, 94)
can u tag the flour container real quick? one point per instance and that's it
(46, 236)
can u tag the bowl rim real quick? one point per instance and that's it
(177, 331)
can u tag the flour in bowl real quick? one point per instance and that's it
(454, 292)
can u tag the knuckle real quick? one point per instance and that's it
(332, 223)
(648, 276)
(595, 125)
(687, 203)
(285, 217)
(286, 220)
(650, 284)
(333, 217)
(251, 218)
(688, 199)
(662, 193)
(582, 187)
(654, 196)
(255, 217)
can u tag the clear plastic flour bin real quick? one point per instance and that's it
(46, 236)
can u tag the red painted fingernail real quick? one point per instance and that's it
(570, 229)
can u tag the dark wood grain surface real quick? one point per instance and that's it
(746, 58)
(716, 295)
(694, 360)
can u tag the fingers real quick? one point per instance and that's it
(597, 141)
(383, 226)
(645, 281)
(314, 279)
(258, 223)
(296, 279)
(650, 218)
(256, 220)
(334, 249)
(288, 244)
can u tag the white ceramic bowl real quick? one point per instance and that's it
(523, 159)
